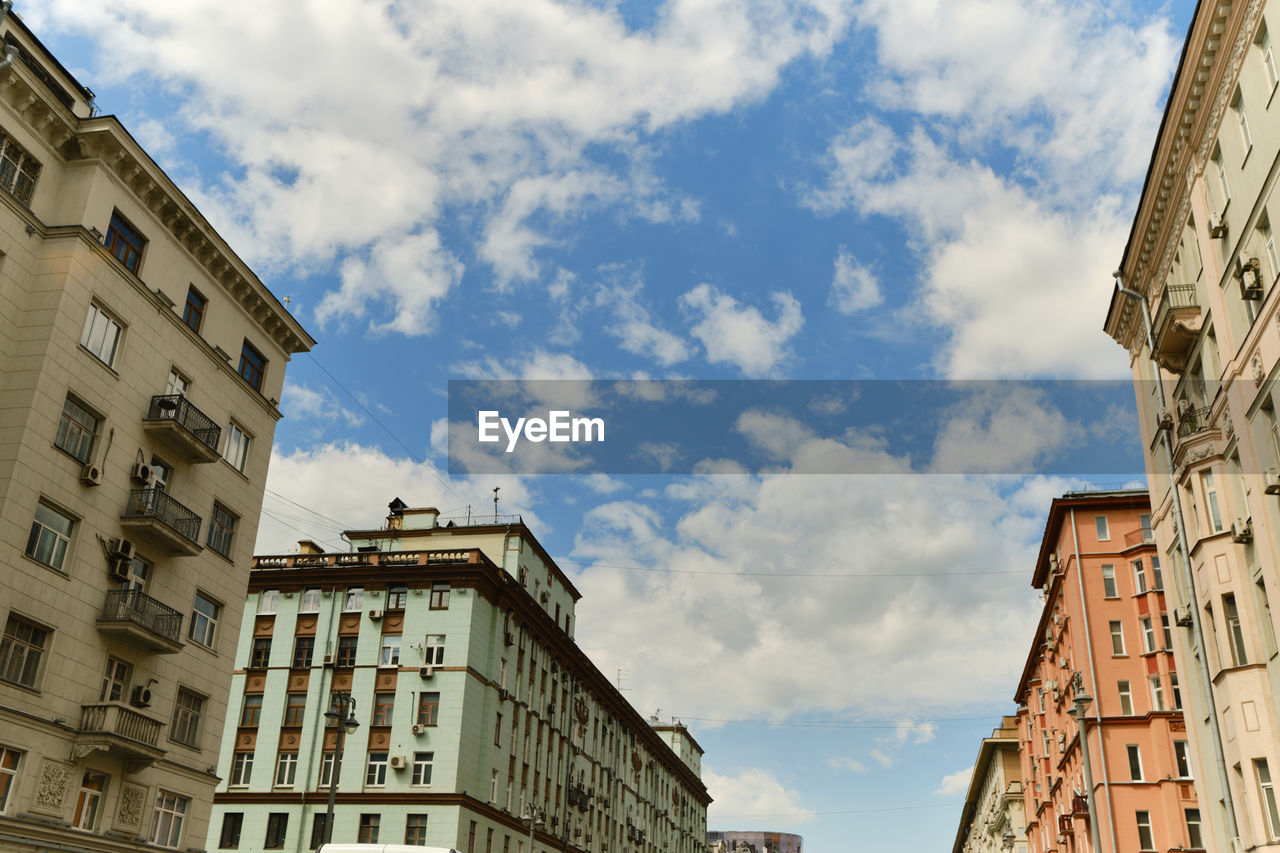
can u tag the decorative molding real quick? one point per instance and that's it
(54, 776)
(129, 815)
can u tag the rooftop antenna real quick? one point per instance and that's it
(495, 504)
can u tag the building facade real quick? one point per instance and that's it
(476, 709)
(994, 820)
(140, 364)
(1106, 632)
(1196, 307)
(734, 841)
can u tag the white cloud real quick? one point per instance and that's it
(882, 757)
(303, 402)
(847, 763)
(955, 783)
(739, 334)
(854, 287)
(632, 324)
(753, 793)
(1003, 427)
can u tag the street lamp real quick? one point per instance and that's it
(535, 819)
(1082, 701)
(1007, 839)
(341, 713)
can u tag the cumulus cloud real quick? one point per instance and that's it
(309, 404)
(854, 287)
(846, 762)
(740, 335)
(955, 783)
(752, 793)
(632, 323)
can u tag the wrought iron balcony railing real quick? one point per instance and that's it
(134, 606)
(1192, 421)
(180, 410)
(155, 503)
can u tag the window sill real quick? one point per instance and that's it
(48, 568)
(234, 468)
(107, 367)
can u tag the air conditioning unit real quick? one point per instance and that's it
(375, 615)
(118, 569)
(91, 475)
(1217, 227)
(1241, 530)
(1271, 481)
(1250, 279)
(1182, 616)
(397, 762)
(510, 639)
(1062, 838)
(122, 548)
(426, 671)
(1062, 740)
(545, 597)
(418, 728)
(1164, 421)
(328, 660)
(140, 698)
(141, 473)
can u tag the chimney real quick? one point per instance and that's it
(306, 546)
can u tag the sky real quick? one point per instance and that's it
(691, 189)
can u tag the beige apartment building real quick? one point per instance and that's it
(993, 819)
(1197, 307)
(141, 363)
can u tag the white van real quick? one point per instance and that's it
(382, 848)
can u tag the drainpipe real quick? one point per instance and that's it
(1188, 578)
(1097, 710)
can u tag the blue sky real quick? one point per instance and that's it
(706, 189)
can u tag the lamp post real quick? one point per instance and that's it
(535, 819)
(1082, 702)
(342, 713)
(1007, 839)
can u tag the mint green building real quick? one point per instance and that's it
(476, 709)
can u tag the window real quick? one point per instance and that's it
(1177, 694)
(1264, 614)
(166, 821)
(326, 769)
(1157, 692)
(435, 651)
(286, 768)
(115, 682)
(252, 366)
(1242, 122)
(1263, 41)
(1145, 840)
(21, 650)
(353, 600)
(260, 656)
(368, 829)
(390, 655)
(241, 768)
(9, 759)
(268, 602)
(236, 450)
(497, 731)
(302, 650)
(346, 652)
(251, 712)
(440, 596)
(188, 708)
(1238, 656)
(294, 709)
(18, 170)
(204, 620)
(493, 786)
(1109, 581)
(1220, 166)
(101, 335)
(1168, 635)
(1139, 578)
(1156, 578)
(1104, 533)
(397, 597)
(376, 770)
(124, 242)
(89, 800)
(428, 708)
(193, 311)
(422, 762)
(1194, 839)
(1126, 698)
(310, 602)
(77, 429)
(222, 529)
(1182, 759)
(50, 536)
(231, 825)
(1268, 794)
(1211, 501)
(384, 705)
(1117, 638)
(1148, 635)
(277, 826)
(415, 829)
(317, 828)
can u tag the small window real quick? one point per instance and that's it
(1146, 841)
(295, 709)
(397, 597)
(376, 770)
(21, 651)
(1109, 582)
(390, 655)
(435, 651)
(440, 596)
(422, 762)
(1263, 41)
(232, 822)
(241, 768)
(1104, 533)
(1268, 793)
(268, 601)
(124, 242)
(317, 825)
(353, 600)
(1195, 840)
(188, 708)
(384, 705)
(252, 365)
(1242, 122)
(77, 430)
(1117, 638)
(415, 830)
(1126, 698)
(346, 657)
(89, 801)
(18, 170)
(204, 620)
(236, 451)
(115, 681)
(193, 311)
(286, 769)
(1234, 631)
(167, 819)
(222, 530)
(310, 602)
(260, 655)
(9, 760)
(277, 826)
(1135, 762)
(50, 536)
(369, 828)
(1139, 577)
(1182, 759)
(1148, 635)
(428, 708)
(251, 712)
(303, 648)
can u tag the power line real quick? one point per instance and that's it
(593, 564)
(948, 804)
(940, 722)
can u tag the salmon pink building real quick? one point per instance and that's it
(1104, 647)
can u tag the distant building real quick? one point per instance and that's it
(476, 707)
(993, 820)
(141, 362)
(1106, 632)
(753, 842)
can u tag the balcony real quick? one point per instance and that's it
(184, 429)
(1145, 536)
(1192, 421)
(1177, 324)
(152, 515)
(115, 727)
(142, 620)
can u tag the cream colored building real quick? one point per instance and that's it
(140, 366)
(1199, 300)
(993, 820)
